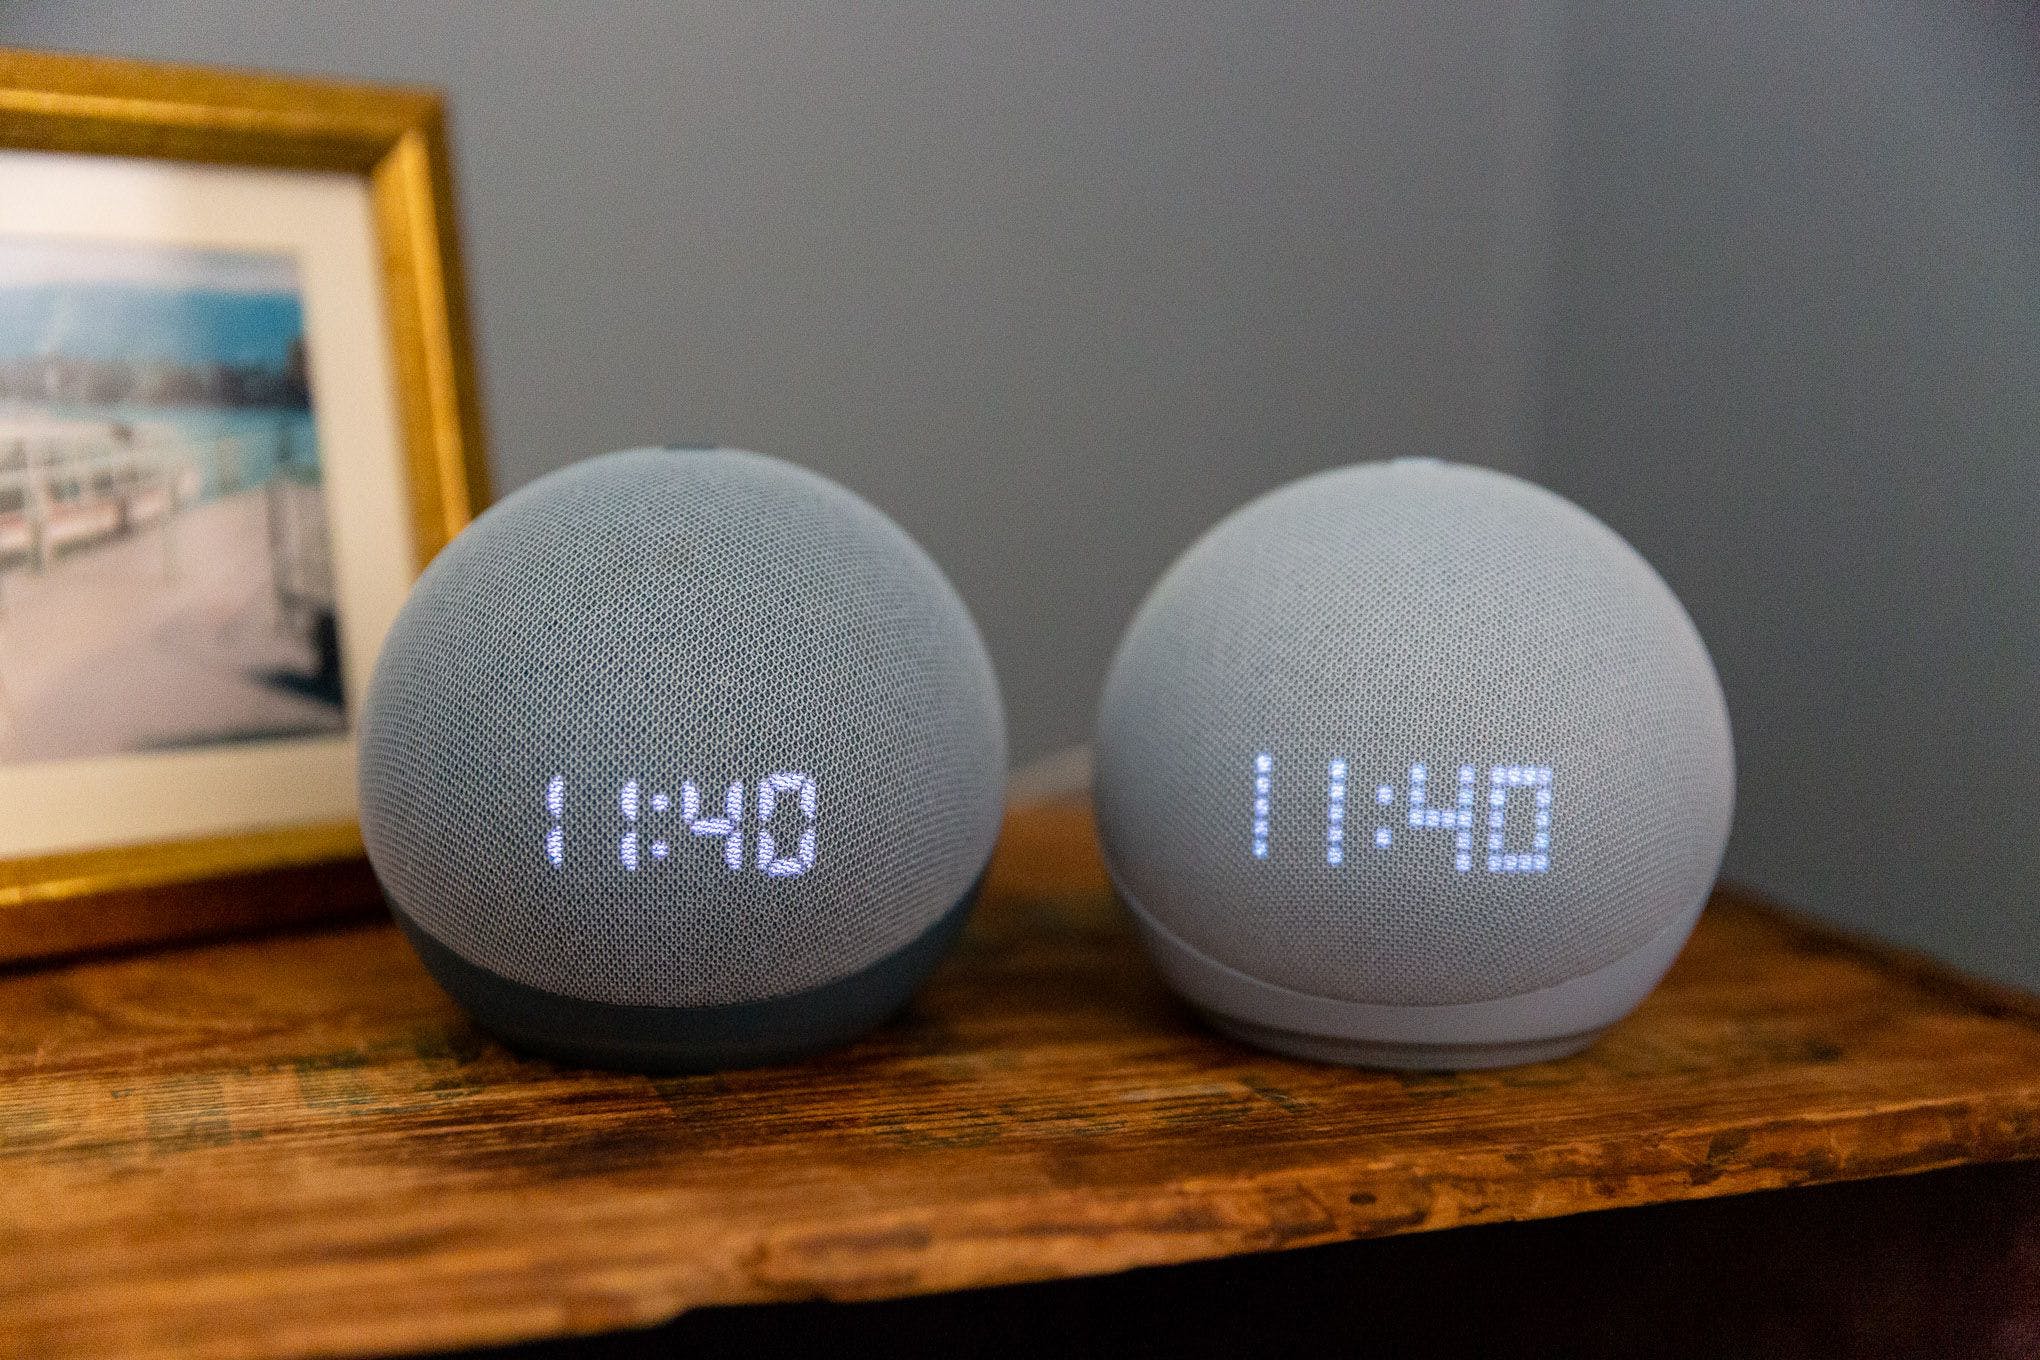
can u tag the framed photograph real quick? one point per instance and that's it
(237, 415)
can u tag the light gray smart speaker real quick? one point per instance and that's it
(681, 759)
(1413, 765)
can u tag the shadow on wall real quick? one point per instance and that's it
(1794, 356)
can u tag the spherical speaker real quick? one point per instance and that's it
(680, 759)
(1417, 765)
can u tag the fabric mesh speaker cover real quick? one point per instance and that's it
(1392, 615)
(660, 617)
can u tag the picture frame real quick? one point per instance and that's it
(231, 802)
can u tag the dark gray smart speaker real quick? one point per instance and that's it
(680, 759)
(1417, 765)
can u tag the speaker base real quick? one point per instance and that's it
(1499, 1032)
(1400, 1057)
(675, 1039)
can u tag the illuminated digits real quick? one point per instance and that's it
(1264, 770)
(555, 803)
(1335, 812)
(1502, 779)
(728, 826)
(769, 789)
(1456, 817)
(627, 803)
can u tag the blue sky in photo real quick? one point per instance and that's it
(171, 304)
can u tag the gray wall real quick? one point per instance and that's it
(1058, 285)
(1793, 353)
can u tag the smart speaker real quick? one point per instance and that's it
(1413, 765)
(680, 759)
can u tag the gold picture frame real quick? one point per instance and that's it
(394, 140)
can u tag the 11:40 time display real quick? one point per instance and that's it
(654, 825)
(1458, 812)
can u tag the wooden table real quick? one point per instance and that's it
(295, 1145)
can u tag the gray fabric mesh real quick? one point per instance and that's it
(662, 615)
(1391, 614)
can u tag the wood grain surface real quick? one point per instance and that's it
(298, 1146)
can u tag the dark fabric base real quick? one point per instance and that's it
(696, 1038)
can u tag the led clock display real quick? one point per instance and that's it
(1476, 808)
(768, 825)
